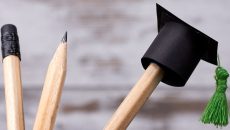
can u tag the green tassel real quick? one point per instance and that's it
(217, 110)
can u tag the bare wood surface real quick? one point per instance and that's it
(52, 90)
(13, 93)
(136, 98)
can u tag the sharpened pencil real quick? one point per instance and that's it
(52, 89)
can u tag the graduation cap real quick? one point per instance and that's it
(177, 49)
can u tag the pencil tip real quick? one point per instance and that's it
(64, 39)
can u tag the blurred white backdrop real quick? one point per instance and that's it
(106, 41)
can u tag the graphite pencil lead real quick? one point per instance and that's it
(64, 39)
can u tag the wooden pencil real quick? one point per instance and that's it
(52, 89)
(12, 78)
(136, 98)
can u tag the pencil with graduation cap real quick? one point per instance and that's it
(12, 77)
(171, 59)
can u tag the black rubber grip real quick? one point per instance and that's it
(10, 42)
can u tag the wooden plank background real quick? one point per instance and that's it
(106, 41)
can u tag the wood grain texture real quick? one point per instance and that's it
(136, 98)
(13, 93)
(52, 90)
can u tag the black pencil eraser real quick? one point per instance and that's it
(10, 41)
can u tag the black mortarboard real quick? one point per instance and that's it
(178, 48)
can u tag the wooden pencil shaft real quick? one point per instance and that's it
(13, 93)
(136, 98)
(52, 90)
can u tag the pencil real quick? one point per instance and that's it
(12, 77)
(135, 99)
(52, 89)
